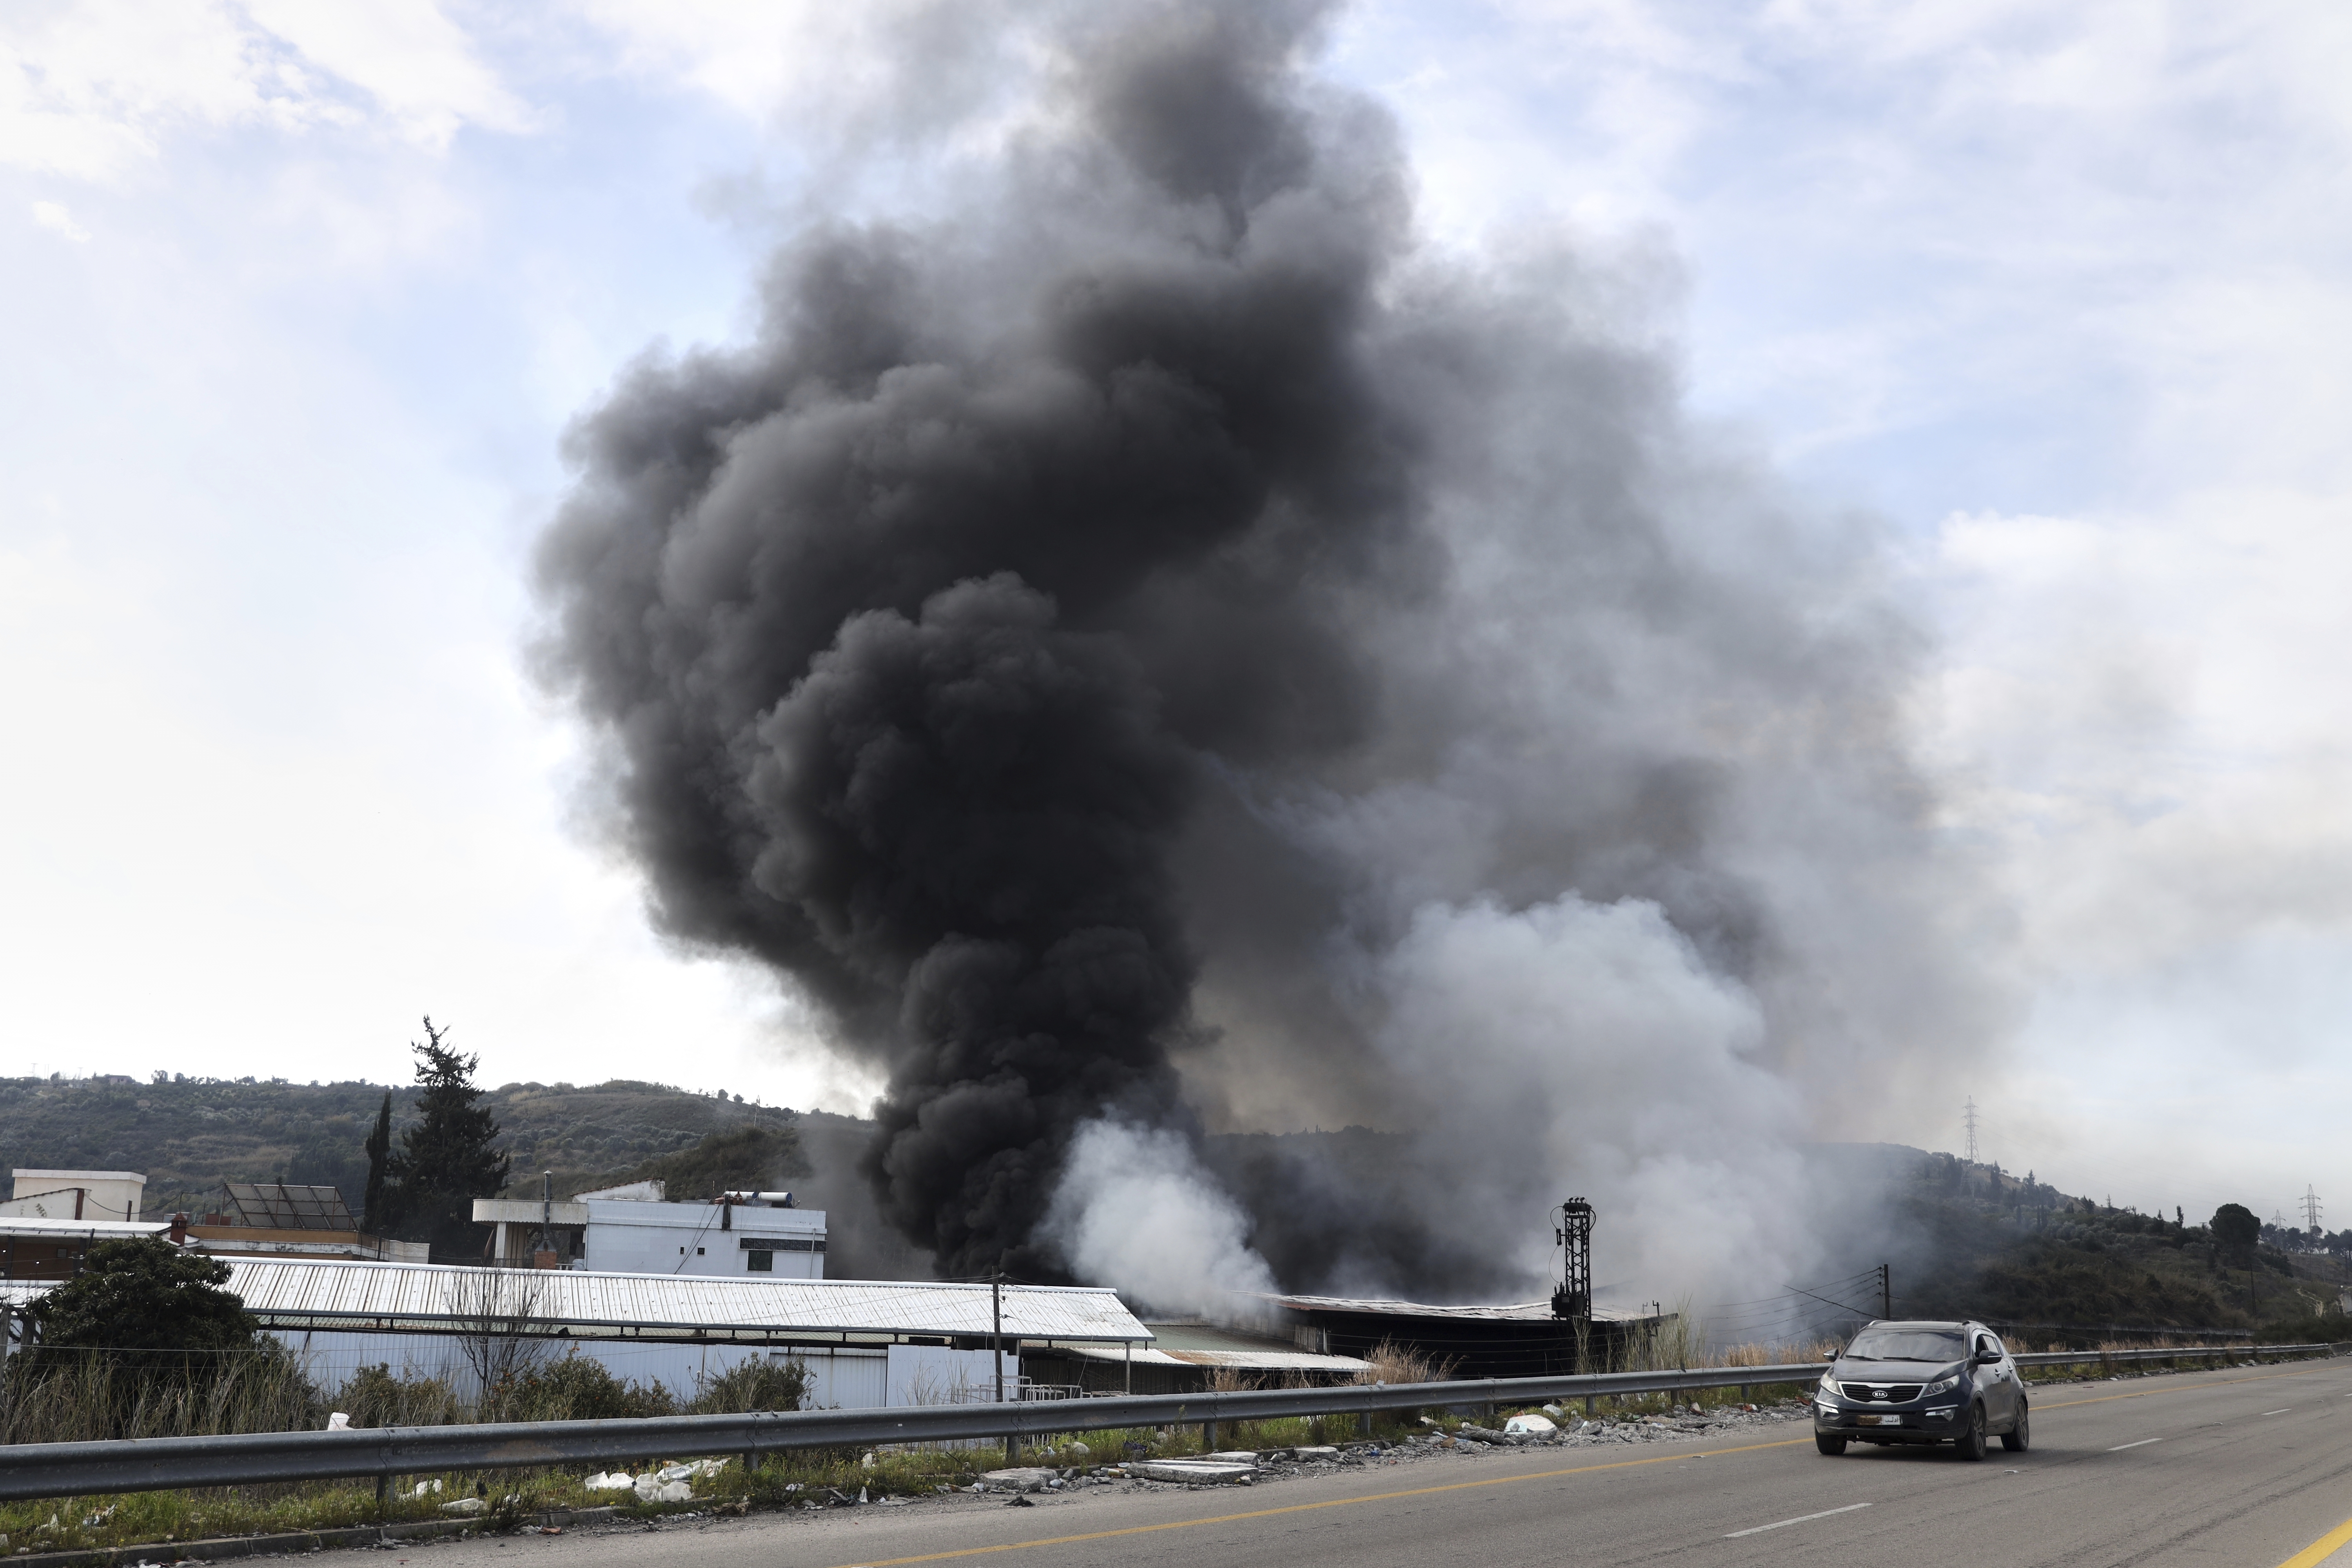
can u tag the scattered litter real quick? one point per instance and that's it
(1020, 1502)
(464, 1505)
(686, 1470)
(620, 1480)
(340, 1421)
(1532, 1424)
(100, 1517)
(651, 1487)
(550, 1530)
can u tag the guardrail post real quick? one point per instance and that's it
(1208, 1436)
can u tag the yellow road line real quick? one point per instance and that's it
(2321, 1550)
(1309, 1507)
(2305, 1560)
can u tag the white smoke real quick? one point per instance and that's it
(1591, 1038)
(1135, 1210)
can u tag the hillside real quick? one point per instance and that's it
(1963, 1240)
(1975, 1241)
(191, 1134)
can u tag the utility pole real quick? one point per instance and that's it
(1970, 1113)
(996, 1338)
(1887, 1291)
(2311, 1208)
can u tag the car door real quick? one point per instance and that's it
(1996, 1385)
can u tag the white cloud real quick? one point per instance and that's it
(93, 90)
(52, 215)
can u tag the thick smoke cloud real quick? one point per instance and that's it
(1157, 644)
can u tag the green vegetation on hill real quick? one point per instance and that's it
(1987, 1245)
(740, 1160)
(189, 1135)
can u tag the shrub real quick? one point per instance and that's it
(376, 1397)
(760, 1382)
(580, 1388)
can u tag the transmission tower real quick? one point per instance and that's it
(2311, 1208)
(1970, 1112)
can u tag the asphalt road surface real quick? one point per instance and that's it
(2249, 1468)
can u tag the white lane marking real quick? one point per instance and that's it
(2143, 1443)
(2279, 1412)
(1801, 1519)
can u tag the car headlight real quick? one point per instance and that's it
(1941, 1385)
(1829, 1386)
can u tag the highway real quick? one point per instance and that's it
(2249, 1468)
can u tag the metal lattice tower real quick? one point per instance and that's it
(1970, 1113)
(1573, 1230)
(2311, 1208)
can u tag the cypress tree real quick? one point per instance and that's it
(381, 1210)
(445, 1161)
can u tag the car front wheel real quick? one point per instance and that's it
(1829, 1445)
(1970, 1443)
(2018, 1437)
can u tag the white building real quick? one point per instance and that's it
(76, 1195)
(863, 1343)
(632, 1230)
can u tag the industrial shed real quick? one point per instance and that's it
(1184, 1357)
(1519, 1339)
(865, 1343)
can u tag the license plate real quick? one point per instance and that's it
(1882, 1421)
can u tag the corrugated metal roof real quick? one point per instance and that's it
(35, 1227)
(293, 1293)
(1279, 1360)
(1196, 1344)
(1517, 1311)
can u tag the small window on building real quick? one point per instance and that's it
(697, 1252)
(762, 1262)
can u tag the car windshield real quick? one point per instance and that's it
(1906, 1344)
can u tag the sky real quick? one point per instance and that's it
(300, 300)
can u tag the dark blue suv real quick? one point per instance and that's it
(1922, 1383)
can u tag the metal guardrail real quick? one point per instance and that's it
(163, 1463)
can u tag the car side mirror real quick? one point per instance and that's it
(1988, 1356)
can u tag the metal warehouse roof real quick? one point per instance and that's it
(1516, 1311)
(36, 1227)
(1210, 1345)
(429, 1298)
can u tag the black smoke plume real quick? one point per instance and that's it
(1156, 643)
(918, 625)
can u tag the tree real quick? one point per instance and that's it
(151, 1309)
(379, 1212)
(2235, 1228)
(445, 1161)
